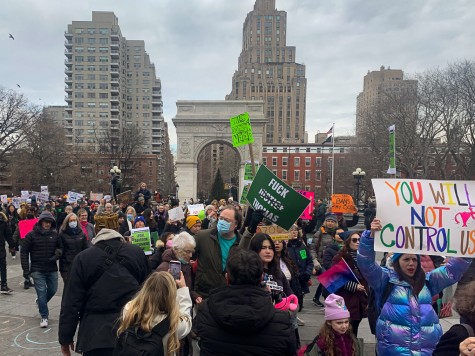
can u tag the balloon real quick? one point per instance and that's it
(202, 215)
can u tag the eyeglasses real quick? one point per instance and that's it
(83, 216)
(355, 239)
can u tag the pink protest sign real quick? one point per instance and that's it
(26, 226)
(306, 215)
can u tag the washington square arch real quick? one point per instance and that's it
(201, 123)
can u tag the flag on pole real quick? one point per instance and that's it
(392, 149)
(335, 277)
(329, 135)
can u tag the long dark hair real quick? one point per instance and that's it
(345, 250)
(417, 282)
(273, 267)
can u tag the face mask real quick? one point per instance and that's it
(130, 217)
(223, 226)
(73, 224)
(183, 262)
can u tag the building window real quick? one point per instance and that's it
(284, 161)
(274, 161)
(307, 162)
(296, 161)
(284, 174)
(264, 161)
(318, 161)
(318, 175)
(296, 175)
(307, 175)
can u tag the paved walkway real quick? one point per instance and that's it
(20, 333)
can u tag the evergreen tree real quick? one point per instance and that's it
(217, 192)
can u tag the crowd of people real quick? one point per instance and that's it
(216, 279)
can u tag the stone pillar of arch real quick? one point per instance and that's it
(199, 123)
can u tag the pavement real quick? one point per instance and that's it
(20, 333)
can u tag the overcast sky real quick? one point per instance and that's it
(195, 45)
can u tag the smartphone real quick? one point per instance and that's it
(175, 269)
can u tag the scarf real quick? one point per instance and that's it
(83, 227)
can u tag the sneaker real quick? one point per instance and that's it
(44, 323)
(5, 290)
(300, 322)
(26, 284)
(317, 303)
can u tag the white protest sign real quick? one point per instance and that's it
(25, 194)
(44, 189)
(16, 202)
(426, 217)
(43, 196)
(176, 214)
(73, 197)
(35, 194)
(195, 209)
(4, 199)
(107, 197)
(96, 196)
(23, 200)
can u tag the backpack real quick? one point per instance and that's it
(135, 342)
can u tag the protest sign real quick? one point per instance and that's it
(35, 194)
(98, 196)
(73, 197)
(274, 231)
(248, 175)
(23, 200)
(241, 130)
(43, 196)
(195, 209)
(25, 194)
(141, 238)
(4, 199)
(125, 197)
(279, 202)
(426, 216)
(26, 226)
(44, 189)
(176, 214)
(343, 203)
(245, 190)
(307, 213)
(16, 202)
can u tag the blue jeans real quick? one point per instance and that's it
(46, 285)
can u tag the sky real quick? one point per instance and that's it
(195, 45)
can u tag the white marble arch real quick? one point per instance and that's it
(199, 123)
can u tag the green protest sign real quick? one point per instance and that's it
(248, 176)
(241, 130)
(245, 190)
(141, 238)
(280, 203)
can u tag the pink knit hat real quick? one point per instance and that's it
(335, 308)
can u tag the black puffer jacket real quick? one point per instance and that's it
(96, 306)
(241, 320)
(5, 232)
(40, 246)
(72, 242)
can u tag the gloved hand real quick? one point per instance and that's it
(256, 218)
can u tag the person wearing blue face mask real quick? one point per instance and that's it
(72, 240)
(213, 247)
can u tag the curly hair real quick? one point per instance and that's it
(326, 337)
(464, 297)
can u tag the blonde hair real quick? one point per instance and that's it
(157, 296)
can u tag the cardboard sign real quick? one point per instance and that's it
(343, 203)
(141, 238)
(26, 226)
(73, 197)
(125, 197)
(98, 196)
(176, 214)
(280, 203)
(241, 130)
(195, 209)
(44, 189)
(307, 213)
(4, 199)
(426, 217)
(274, 231)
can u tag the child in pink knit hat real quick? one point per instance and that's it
(335, 336)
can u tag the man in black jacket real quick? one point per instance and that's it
(5, 234)
(102, 279)
(42, 247)
(240, 319)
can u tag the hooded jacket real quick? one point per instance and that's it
(241, 320)
(41, 246)
(73, 242)
(408, 324)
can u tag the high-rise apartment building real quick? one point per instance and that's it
(377, 85)
(267, 71)
(111, 84)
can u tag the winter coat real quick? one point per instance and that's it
(209, 274)
(329, 253)
(408, 324)
(321, 240)
(169, 255)
(241, 320)
(40, 247)
(5, 233)
(450, 341)
(97, 306)
(355, 301)
(72, 242)
(300, 254)
(146, 195)
(88, 230)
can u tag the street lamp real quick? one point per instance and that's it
(115, 181)
(358, 175)
(177, 187)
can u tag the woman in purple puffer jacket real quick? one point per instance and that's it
(407, 325)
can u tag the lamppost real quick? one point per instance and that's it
(358, 175)
(176, 194)
(115, 178)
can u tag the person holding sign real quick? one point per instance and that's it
(407, 323)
